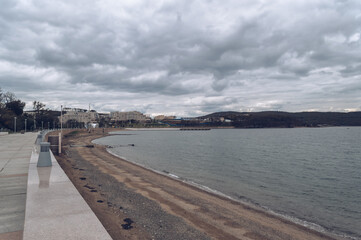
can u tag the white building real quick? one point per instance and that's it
(126, 116)
(80, 115)
(163, 117)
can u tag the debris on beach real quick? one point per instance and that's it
(128, 224)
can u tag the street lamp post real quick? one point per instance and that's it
(61, 119)
(25, 123)
(42, 125)
(61, 127)
(14, 124)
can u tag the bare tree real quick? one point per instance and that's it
(38, 106)
(6, 97)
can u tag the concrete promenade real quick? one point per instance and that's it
(15, 153)
(40, 202)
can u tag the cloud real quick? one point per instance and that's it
(234, 55)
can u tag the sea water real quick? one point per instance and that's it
(310, 175)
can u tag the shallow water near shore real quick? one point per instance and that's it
(309, 174)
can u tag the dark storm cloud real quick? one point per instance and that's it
(238, 50)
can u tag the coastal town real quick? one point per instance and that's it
(15, 118)
(43, 119)
(76, 117)
(83, 118)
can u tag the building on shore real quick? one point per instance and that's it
(104, 115)
(78, 115)
(163, 117)
(128, 116)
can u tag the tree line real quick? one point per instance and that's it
(13, 118)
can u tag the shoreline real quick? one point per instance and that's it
(237, 219)
(244, 200)
(309, 225)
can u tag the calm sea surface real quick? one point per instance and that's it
(312, 175)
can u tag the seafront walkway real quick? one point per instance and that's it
(40, 202)
(15, 153)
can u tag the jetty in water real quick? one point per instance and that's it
(194, 129)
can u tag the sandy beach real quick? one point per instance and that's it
(136, 203)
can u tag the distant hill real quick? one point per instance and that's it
(282, 119)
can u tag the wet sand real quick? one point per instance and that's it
(136, 203)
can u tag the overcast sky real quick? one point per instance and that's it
(184, 58)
